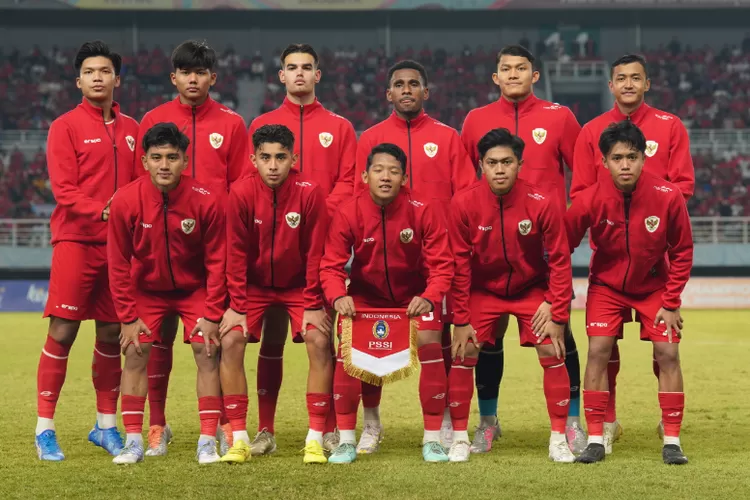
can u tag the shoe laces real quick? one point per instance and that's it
(155, 433)
(47, 442)
(131, 447)
(435, 447)
(370, 434)
(206, 447)
(342, 449)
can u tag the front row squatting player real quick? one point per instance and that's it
(401, 260)
(500, 230)
(167, 253)
(634, 218)
(89, 155)
(276, 225)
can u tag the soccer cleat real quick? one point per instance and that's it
(263, 444)
(434, 452)
(331, 441)
(224, 437)
(131, 454)
(612, 432)
(206, 452)
(158, 439)
(560, 452)
(459, 451)
(484, 436)
(314, 452)
(576, 437)
(343, 454)
(660, 430)
(47, 447)
(593, 453)
(369, 441)
(109, 439)
(446, 434)
(239, 453)
(673, 455)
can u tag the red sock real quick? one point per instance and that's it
(433, 385)
(318, 408)
(159, 368)
(50, 376)
(672, 409)
(132, 413)
(106, 372)
(613, 368)
(331, 418)
(594, 406)
(371, 395)
(556, 391)
(270, 373)
(209, 408)
(223, 418)
(445, 343)
(460, 391)
(346, 392)
(235, 408)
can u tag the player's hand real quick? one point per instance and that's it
(130, 334)
(672, 320)
(105, 212)
(462, 335)
(418, 307)
(345, 306)
(231, 319)
(210, 331)
(556, 333)
(317, 318)
(541, 317)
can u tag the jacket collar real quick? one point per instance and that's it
(307, 109)
(636, 116)
(281, 192)
(399, 122)
(523, 107)
(508, 199)
(373, 209)
(200, 111)
(172, 196)
(97, 113)
(609, 188)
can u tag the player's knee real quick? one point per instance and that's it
(63, 331)
(109, 333)
(202, 360)
(425, 337)
(600, 349)
(233, 345)
(318, 343)
(135, 362)
(667, 356)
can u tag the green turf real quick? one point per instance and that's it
(715, 357)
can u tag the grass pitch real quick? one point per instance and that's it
(715, 354)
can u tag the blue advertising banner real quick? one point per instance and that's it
(23, 295)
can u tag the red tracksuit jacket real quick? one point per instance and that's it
(275, 238)
(325, 142)
(218, 144)
(437, 162)
(88, 161)
(667, 149)
(400, 251)
(631, 234)
(162, 242)
(499, 245)
(548, 130)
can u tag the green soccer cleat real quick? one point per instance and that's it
(433, 452)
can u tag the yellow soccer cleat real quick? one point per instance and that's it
(239, 453)
(314, 453)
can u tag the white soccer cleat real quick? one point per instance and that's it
(158, 439)
(331, 441)
(369, 441)
(206, 453)
(131, 454)
(612, 432)
(559, 452)
(459, 451)
(576, 437)
(484, 436)
(446, 434)
(263, 444)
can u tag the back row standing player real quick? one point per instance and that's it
(549, 132)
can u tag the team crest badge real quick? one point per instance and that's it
(131, 142)
(407, 235)
(651, 147)
(293, 218)
(524, 227)
(188, 225)
(652, 223)
(216, 140)
(381, 329)
(430, 149)
(539, 135)
(326, 139)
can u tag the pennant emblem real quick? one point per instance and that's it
(216, 140)
(539, 135)
(326, 139)
(188, 225)
(430, 149)
(131, 142)
(407, 235)
(652, 223)
(381, 329)
(524, 227)
(293, 218)
(651, 147)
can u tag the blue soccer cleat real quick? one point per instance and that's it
(433, 452)
(109, 439)
(47, 447)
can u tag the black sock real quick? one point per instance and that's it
(488, 374)
(573, 365)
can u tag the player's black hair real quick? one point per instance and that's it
(165, 134)
(389, 149)
(516, 51)
(625, 132)
(501, 137)
(278, 134)
(194, 54)
(408, 64)
(97, 48)
(628, 59)
(299, 48)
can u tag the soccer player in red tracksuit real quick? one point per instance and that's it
(634, 218)
(438, 167)
(276, 230)
(549, 132)
(512, 257)
(90, 154)
(325, 144)
(216, 159)
(167, 253)
(667, 156)
(402, 259)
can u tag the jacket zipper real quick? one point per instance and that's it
(273, 236)
(385, 256)
(113, 139)
(166, 239)
(627, 238)
(515, 107)
(301, 136)
(193, 142)
(411, 162)
(505, 250)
